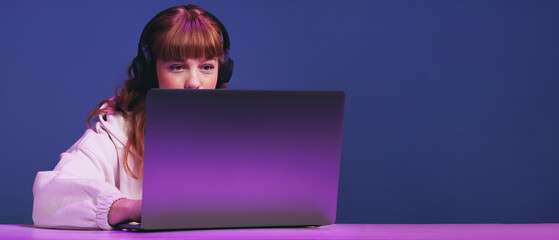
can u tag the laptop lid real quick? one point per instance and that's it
(241, 158)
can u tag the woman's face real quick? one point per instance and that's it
(189, 73)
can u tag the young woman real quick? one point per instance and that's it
(98, 181)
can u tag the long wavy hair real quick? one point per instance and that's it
(180, 32)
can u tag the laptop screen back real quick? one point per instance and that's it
(240, 158)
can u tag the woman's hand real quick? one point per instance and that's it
(125, 210)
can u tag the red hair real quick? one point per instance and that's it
(176, 33)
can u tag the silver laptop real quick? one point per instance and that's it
(241, 158)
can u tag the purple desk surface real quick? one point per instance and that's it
(337, 231)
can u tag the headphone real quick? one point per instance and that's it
(144, 66)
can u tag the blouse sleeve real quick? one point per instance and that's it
(79, 192)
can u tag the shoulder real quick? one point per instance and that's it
(113, 123)
(109, 133)
(99, 145)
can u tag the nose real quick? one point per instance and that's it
(192, 80)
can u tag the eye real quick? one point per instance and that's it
(208, 68)
(176, 68)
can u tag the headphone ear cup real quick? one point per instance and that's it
(143, 71)
(225, 71)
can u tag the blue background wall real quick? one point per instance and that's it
(452, 108)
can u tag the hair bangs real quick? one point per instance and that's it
(187, 38)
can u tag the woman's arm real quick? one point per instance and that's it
(79, 192)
